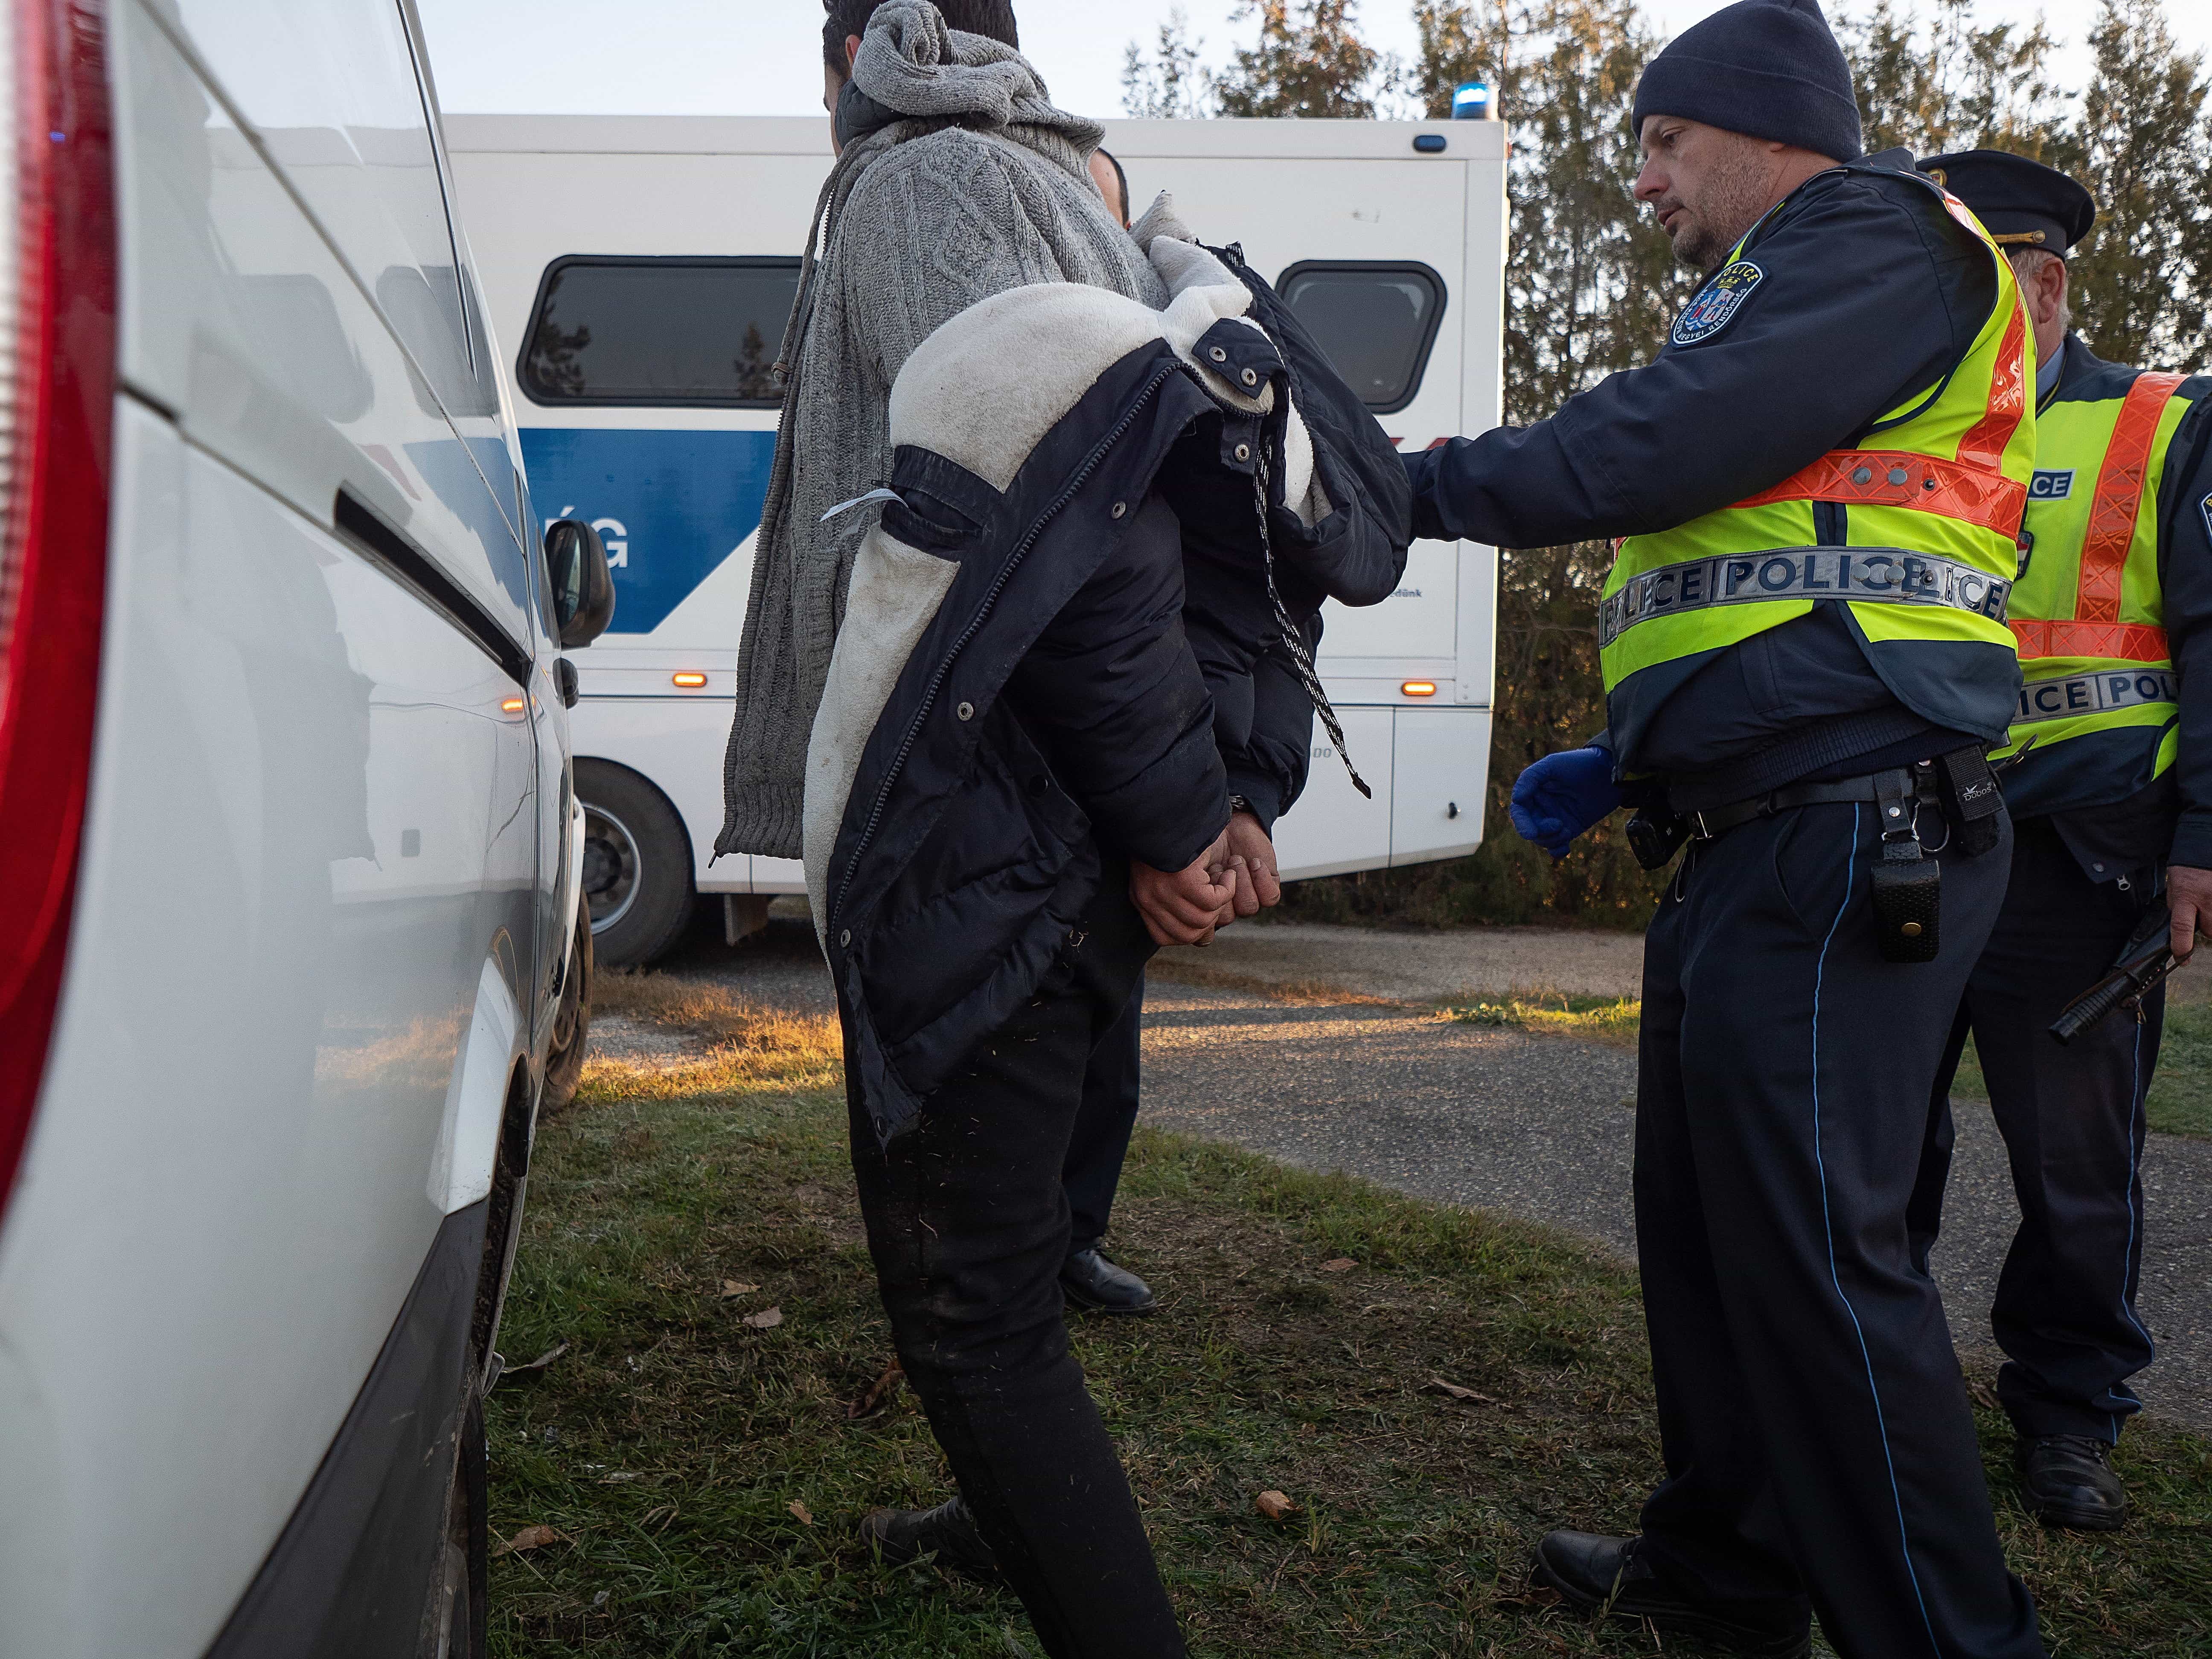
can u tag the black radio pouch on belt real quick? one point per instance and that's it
(1970, 800)
(1908, 885)
(1655, 834)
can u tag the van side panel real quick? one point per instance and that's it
(312, 829)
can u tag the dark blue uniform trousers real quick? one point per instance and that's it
(1815, 1427)
(2072, 1118)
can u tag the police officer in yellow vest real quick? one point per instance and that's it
(1819, 485)
(2112, 737)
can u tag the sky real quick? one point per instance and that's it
(763, 57)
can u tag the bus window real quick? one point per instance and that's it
(607, 330)
(1376, 321)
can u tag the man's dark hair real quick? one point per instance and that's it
(1121, 208)
(849, 17)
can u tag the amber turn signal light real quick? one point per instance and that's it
(689, 679)
(1419, 688)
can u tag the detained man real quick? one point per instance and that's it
(968, 698)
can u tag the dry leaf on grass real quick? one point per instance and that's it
(1437, 1385)
(878, 1392)
(731, 1287)
(531, 1538)
(537, 1365)
(1274, 1505)
(1342, 1264)
(766, 1320)
(805, 1516)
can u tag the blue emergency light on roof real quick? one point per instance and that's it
(1471, 102)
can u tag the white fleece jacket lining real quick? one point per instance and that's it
(895, 594)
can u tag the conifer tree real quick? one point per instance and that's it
(1170, 84)
(1309, 62)
(2141, 284)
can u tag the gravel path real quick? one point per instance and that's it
(1535, 1126)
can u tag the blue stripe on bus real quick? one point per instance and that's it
(670, 505)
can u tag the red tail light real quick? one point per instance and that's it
(57, 408)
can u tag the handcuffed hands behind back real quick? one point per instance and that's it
(1234, 877)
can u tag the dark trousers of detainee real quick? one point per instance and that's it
(2072, 1119)
(1100, 1143)
(968, 1223)
(1814, 1424)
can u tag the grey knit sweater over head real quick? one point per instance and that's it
(958, 180)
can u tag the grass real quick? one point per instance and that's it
(704, 1475)
(2180, 1101)
(1614, 1021)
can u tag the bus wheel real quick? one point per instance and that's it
(637, 866)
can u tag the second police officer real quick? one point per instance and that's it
(2112, 741)
(1819, 483)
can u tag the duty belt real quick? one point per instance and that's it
(2096, 694)
(1881, 575)
(1916, 784)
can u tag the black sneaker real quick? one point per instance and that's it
(1092, 1281)
(1593, 1573)
(2068, 1482)
(948, 1532)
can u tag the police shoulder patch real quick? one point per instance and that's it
(2205, 508)
(1714, 305)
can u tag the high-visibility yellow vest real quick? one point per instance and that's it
(1922, 533)
(2088, 610)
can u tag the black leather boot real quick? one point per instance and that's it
(948, 1532)
(1092, 1281)
(1593, 1573)
(2069, 1483)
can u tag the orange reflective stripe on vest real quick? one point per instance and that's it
(2096, 629)
(1983, 447)
(1974, 488)
(2120, 641)
(1888, 477)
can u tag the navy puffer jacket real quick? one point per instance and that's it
(1012, 685)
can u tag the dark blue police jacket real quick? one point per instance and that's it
(1012, 693)
(1871, 295)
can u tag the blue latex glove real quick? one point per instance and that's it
(1562, 795)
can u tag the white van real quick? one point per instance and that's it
(292, 855)
(647, 265)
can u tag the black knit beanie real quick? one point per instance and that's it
(1767, 69)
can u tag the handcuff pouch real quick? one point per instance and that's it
(1908, 885)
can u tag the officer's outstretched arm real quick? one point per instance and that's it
(1861, 295)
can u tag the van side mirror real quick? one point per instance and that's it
(583, 586)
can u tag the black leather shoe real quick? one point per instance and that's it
(2069, 1483)
(948, 1532)
(1092, 1281)
(1593, 1573)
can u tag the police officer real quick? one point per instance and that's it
(1819, 484)
(2112, 738)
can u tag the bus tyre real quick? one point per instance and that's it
(637, 866)
(571, 1021)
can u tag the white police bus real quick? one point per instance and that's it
(646, 265)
